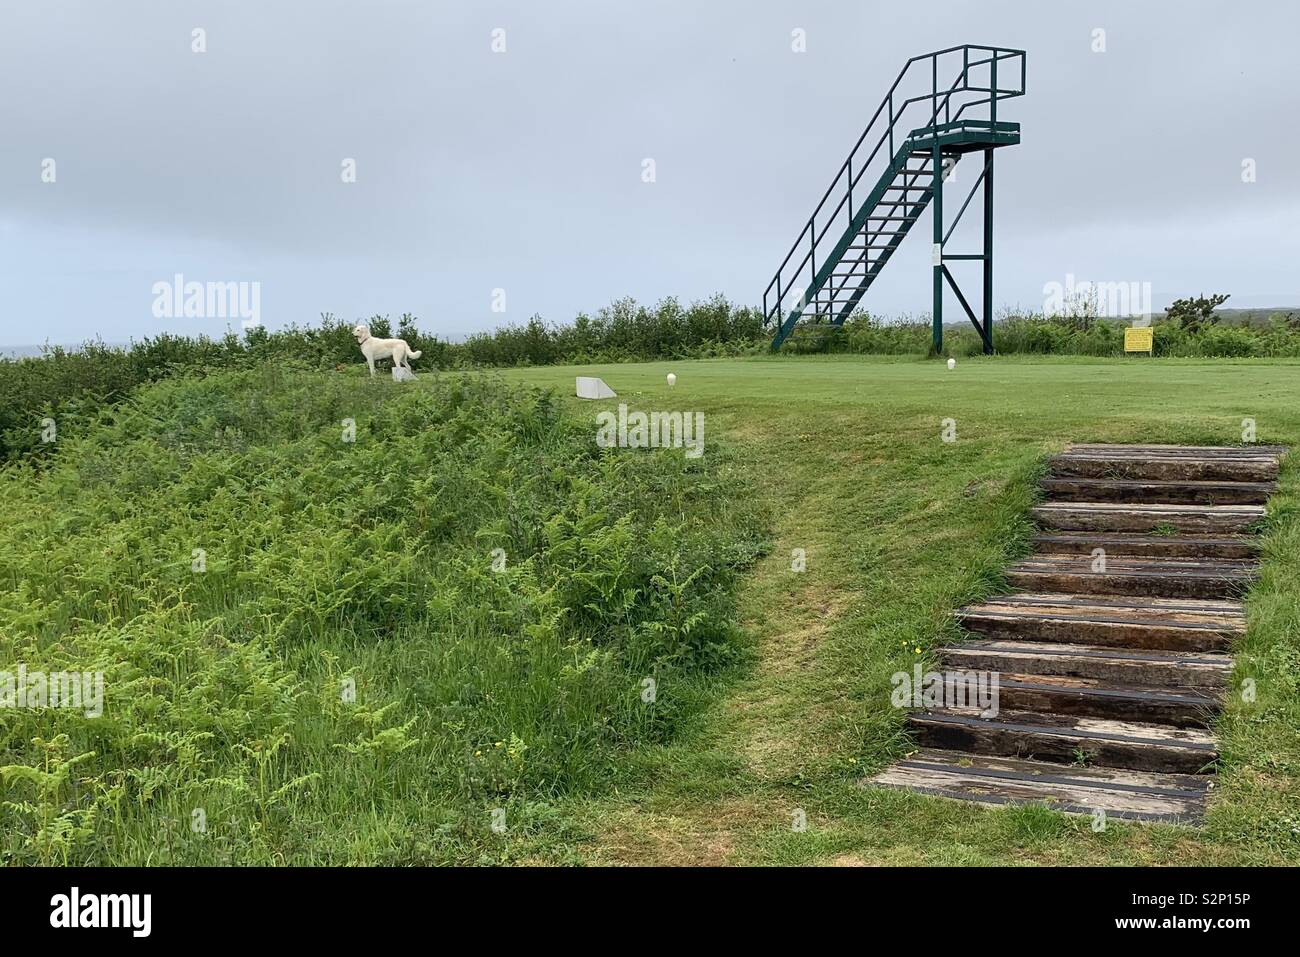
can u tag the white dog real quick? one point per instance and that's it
(395, 349)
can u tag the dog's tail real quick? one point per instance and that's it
(415, 353)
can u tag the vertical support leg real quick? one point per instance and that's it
(988, 251)
(937, 203)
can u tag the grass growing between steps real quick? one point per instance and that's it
(899, 528)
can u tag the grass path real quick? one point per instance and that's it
(899, 528)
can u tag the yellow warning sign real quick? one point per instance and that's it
(1140, 339)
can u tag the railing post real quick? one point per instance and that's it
(993, 97)
(812, 261)
(934, 89)
(988, 251)
(891, 126)
(937, 248)
(936, 186)
(947, 100)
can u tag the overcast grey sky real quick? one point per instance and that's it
(521, 170)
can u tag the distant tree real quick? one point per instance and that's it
(1192, 314)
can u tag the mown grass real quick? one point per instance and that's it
(899, 529)
(345, 621)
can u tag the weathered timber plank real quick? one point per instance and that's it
(1089, 697)
(1207, 609)
(1124, 666)
(1066, 738)
(1151, 491)
(1115, 778)
(1125, 795)
(1108, 621)
(1155, 466)
(1116, 517)
(1134, 576)
(1149, 546)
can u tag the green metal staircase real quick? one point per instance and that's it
(855, 230)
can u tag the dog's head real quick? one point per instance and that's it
(362, 332)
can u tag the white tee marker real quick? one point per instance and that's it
(952, 363)
(672, 379)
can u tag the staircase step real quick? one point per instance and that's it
(1103, 742)
(1151, 492)
(1122, 794)
(1208, 671)
(1129, 575)
(1148, 546)
(1112, 622)
(1116, 517)
(1256, 463)
(1092, 698)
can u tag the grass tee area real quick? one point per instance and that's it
(428, 639)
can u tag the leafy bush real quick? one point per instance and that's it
(232, 565)
(623, 331)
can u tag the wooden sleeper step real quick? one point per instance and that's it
(1205, 670)
(1115, 622)
(1093, 698)
(1148, 546)
(1120, 517)
(1068, 738)
(1127, 575)
(1258, 463)
(1072, 789)
(1151, 491)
